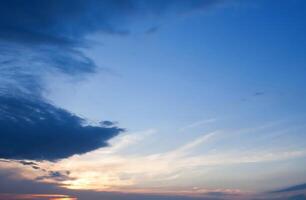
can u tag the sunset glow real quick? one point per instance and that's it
(152, 100)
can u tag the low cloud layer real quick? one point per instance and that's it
(37, 130)
(292, 188)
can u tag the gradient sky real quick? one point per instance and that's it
(173, 99)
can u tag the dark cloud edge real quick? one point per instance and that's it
(37, 130)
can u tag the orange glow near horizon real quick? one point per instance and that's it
(36, 196)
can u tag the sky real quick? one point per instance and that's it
(143, 99)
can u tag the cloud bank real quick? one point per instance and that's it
(39, 131)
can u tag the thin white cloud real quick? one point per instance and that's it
(127, 139)
(197, 124)
(111, 169)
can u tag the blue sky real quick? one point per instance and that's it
(195, 97)
(234, 64)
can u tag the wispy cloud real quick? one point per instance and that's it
(133, 172)
(197, 124)
(112, 169)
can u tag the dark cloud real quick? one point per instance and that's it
(27, 162)
(42, 37)
(56, 176)
(65, 22)
(298, 197)
(34, 165)
(36, 130)
(259, 93)
(292, 188)
(107, 123)
(38, 36)
(12, 182)
(152, 30)
(59, 22)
